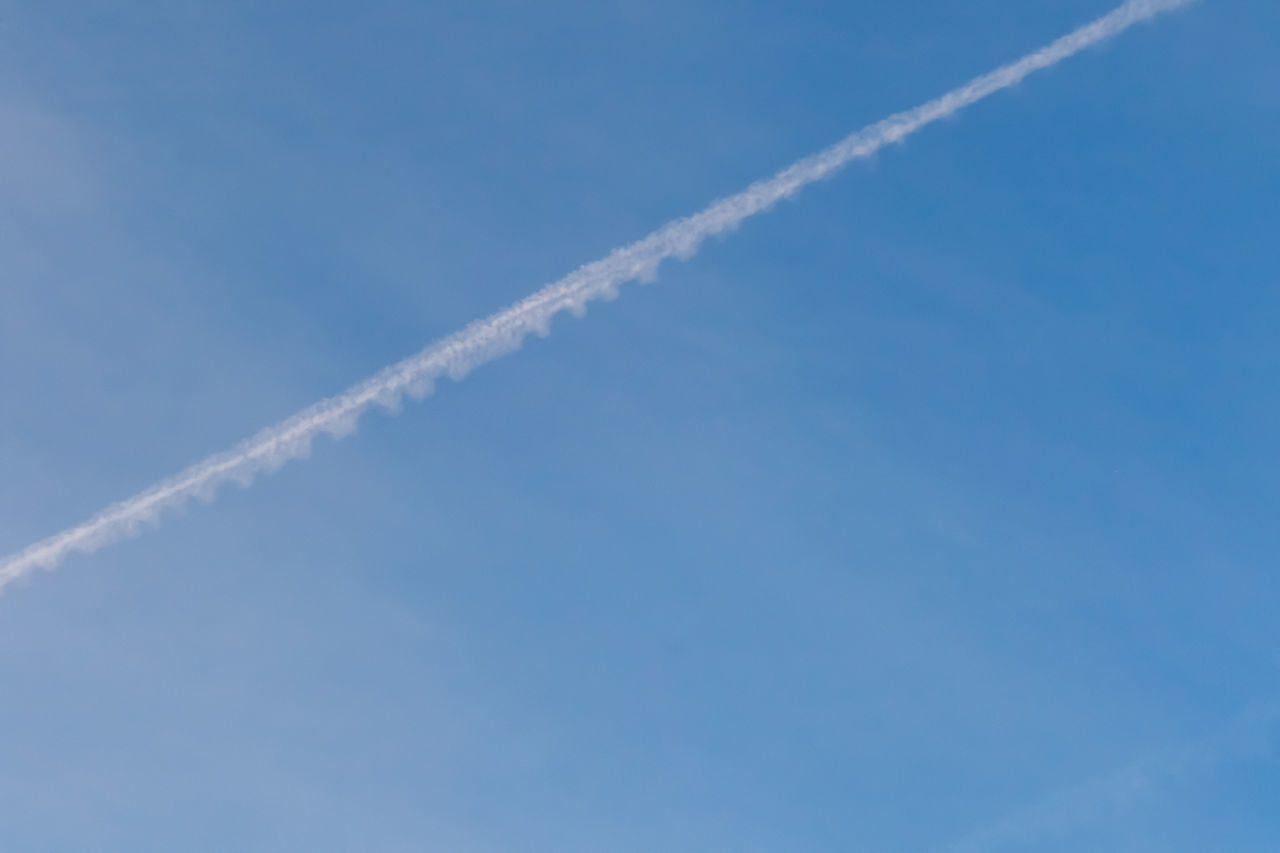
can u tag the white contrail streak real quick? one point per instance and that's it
(486, 340)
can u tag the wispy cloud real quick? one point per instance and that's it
(42, 170)
(495, 336)
(1249, 735)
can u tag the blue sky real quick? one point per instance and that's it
(933, 509)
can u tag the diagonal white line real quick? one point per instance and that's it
(501, 333)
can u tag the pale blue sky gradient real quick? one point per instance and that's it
(929, 499)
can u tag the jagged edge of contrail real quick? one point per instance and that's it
(490, 338)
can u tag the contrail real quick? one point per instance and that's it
(495, 336)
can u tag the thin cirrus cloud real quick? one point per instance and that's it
(1248, 735)
(502, 333)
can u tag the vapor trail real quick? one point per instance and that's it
(501, 333)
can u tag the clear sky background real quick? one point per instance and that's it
(933, 511)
